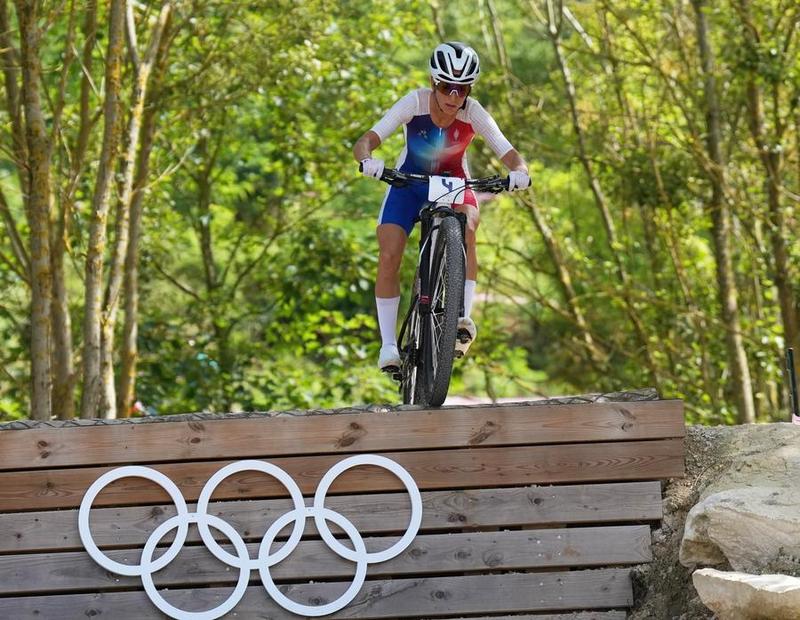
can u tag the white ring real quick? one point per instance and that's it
(242, 561)
(361, 563)
(405, 478)
(132, 471)
(250, 465)
(244, 571)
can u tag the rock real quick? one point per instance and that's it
(718, 458)
(749, 455)
(748, 511)
(751, 528)
(739, 596)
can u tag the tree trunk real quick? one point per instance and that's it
(116, 270)
(129, 351)
(203, 180)
(22, 267)
(37, 204)
(92, 323)
(64, 375)
(696, 315)
(63, 367)
(623, 277)
(633, 134)
(11, 63)
(594, 354)
(797, 142)
(9, 57)
(771, 157)
(436, 11)
(629, 128)
(720, 218)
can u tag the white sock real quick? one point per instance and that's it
(387, 318)
(469, 294)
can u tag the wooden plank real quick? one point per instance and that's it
(313, 559)
(395, 598)
(468, 468)
(339, 433)
(373, 514)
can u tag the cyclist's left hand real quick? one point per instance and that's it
(518, 180)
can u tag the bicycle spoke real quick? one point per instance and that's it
(409, 347)
(438, 303)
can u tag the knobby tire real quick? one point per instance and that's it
(438, 329)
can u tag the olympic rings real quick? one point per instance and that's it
(405, 478)
(267, 468)
(244, 573)
(351, 592)
(265, 560)
(132, 471)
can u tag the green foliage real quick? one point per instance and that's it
(258, 252)
(286, 319)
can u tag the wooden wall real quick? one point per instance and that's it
(527, 509)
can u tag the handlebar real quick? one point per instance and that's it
(493, 184)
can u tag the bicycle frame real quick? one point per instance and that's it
(429, 219)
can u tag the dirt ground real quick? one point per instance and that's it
(663, 589)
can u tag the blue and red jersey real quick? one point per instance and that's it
(430, 149)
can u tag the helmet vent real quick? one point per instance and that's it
(455, 62)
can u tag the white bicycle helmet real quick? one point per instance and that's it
(455, 62)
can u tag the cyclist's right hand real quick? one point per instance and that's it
(371, 167)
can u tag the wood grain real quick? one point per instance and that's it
(465, 468)
(395, 598)
(373, 514)
(270, 437)
(499, 487)
(313, 559)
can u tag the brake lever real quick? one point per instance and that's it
(393, 178)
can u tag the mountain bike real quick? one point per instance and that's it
(427, 341)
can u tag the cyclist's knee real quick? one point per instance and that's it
(389, 260)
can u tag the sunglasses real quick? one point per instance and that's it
(462, 90)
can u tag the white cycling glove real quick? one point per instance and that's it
(518, 180)
(372, 167)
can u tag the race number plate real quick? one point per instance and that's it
(447, 190)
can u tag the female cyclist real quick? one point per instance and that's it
(439, 123)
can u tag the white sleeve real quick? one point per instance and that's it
(484, 125)
(400, 113)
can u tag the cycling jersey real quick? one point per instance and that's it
(431, 149)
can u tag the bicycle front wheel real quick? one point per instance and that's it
(409, 354)
(439, 327)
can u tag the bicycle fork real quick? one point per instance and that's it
(428, 239)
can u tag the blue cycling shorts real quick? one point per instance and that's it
(401, 205)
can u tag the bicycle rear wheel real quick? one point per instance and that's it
(438, 328)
